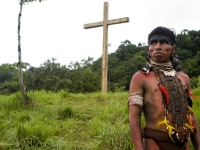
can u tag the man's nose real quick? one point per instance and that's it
(158, 45)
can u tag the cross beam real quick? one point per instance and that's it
(105, 24)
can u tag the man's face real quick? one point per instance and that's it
(160, 48)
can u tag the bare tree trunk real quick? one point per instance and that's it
(22, 86)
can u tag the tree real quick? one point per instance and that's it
(8, 79)
(193, 66)
(22, 86)
(83, 77)
(50, 76)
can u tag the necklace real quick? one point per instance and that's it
(176, 103)
(166, 68)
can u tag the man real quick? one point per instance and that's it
(162, 92)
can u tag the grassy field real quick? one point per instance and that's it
(63, 121)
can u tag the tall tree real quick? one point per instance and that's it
(22, 86)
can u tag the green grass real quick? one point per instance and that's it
(65, 121)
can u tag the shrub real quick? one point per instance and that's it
(65, 112)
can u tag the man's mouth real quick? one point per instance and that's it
(158, 54)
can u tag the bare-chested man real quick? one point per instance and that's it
(162, 91)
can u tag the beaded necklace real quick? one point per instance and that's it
(175, 100)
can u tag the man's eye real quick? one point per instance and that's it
(164, 42)
(153, 42)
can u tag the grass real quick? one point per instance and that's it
(65, 121)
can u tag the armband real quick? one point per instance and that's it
(136, 99)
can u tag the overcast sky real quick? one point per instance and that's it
(54, 28)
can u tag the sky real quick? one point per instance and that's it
(54, 28)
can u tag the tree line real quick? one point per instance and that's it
(85, 76)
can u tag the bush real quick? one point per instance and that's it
(65, 112)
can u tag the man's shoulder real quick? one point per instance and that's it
(182, 74)
(139, 75)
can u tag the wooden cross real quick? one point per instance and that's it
(105, 24)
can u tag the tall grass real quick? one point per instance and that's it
(65, 121)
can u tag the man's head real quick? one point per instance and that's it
(161, 44)
(163, 31)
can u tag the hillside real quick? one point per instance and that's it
(64, 121)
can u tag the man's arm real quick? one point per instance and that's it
(135, 110)
(195, 136)
(135, 126)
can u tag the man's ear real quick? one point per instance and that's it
(173, 49)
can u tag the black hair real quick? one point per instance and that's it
(163, 31)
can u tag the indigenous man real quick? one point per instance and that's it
(162, 91)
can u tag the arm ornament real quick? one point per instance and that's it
(136, 99)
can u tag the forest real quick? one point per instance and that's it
(85, 76)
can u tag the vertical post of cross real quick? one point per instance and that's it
(105, 50)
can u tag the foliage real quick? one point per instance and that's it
(193, 65)
(29, 1)
(65, 112)
(8, 79)
(198, 85)
(194, 82)
(85, 76)
(188, 52)
(51, 76)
